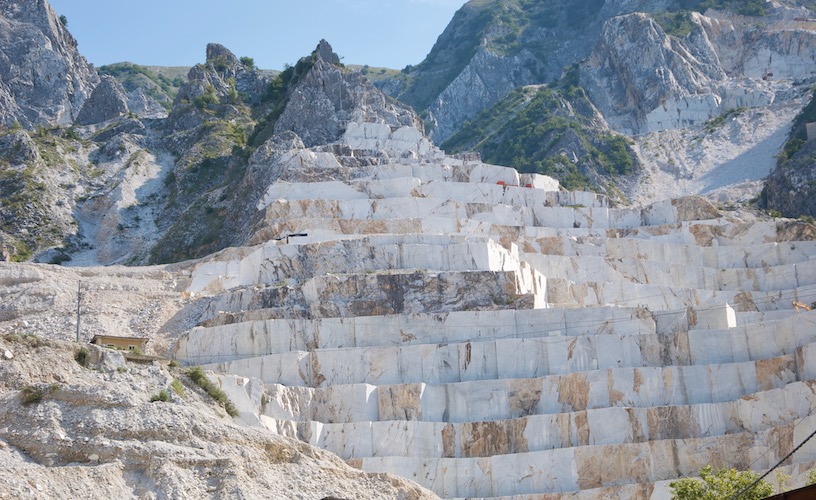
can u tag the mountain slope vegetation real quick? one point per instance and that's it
(537, 129)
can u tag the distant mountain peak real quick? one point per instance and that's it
(324, 51)
(218, 54)
(329, 97)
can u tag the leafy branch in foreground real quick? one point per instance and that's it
(723, 484)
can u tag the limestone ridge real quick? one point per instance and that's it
(43, 78)
(206, 132)
(491, 47)
(221, 80)
(706, 98)
(621, 76)
(329, 98)
(325, 120)
(486, 79)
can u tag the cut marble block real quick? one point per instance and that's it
(605, 426)
(566, 470)
(487, 334)
(715, 317)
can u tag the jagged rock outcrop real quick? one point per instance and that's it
(637, 68)
(328, 98)
(221, 84)
(150, 90)
(324, 51)
(482, 55)
(224, 77)
(489, 48)
(645, 80)
(107, 101)
(43, 78)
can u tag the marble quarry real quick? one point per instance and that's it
(488, 334)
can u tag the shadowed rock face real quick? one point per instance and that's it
(107, 101)
(43, 78)
(791, 188)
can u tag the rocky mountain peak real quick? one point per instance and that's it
(324, 51)
(217, 54)
(221, 81)
(43, 78)
(329, 97)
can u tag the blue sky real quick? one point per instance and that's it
(390, 33)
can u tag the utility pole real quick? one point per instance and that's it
(79, 298)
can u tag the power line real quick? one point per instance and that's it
(793, 429)
(748, 488)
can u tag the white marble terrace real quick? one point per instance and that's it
(487, 335)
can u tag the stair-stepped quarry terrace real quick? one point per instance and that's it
(488, 335)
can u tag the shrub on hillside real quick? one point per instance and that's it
(198, 376)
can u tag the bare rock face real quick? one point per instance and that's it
(18, 148)
(328, 98)
(43, 78)
(622, 79)
(325, 52)
(144, 106)
(555, 36)
(487, 79)
(221, 83)
(645, 80)
(108, 101)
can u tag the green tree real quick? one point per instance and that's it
(722, 485)
(64, 21)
